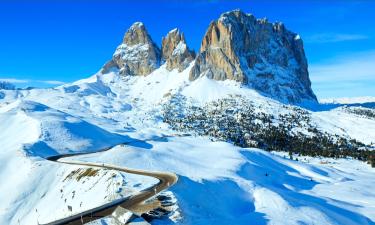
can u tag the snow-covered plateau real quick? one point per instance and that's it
(219, 182)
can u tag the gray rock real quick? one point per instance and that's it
(175, 51)
(265, 56)
(137, 55)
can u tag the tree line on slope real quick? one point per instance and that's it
(237, 121)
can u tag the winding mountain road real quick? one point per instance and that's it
(134, 203)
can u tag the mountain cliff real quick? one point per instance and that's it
(258, 54)
(175, 51)
(265, 56)
(137, 54)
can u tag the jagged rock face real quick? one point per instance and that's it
(137, 55)
(175, 51)
(266, 56)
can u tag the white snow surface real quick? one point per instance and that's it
(218, 182)
(348, 100)
(180, 49)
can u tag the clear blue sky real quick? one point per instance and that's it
(45, 42)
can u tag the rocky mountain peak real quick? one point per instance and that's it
(137, 55)
(169, 43)
(265, 56)
(175, 51)
(237, 46)
(137, 34)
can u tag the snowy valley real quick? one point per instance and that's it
(255, 148)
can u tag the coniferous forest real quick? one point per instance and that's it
(238, 121)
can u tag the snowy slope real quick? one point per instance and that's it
(222, 184)
(346, 124)
(219, 183)
(352, 100)
(46, 189)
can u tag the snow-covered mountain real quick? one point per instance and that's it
(219, 183)
(260, 55)
(137, 55)
(212, 133)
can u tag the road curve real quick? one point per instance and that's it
(131, 203)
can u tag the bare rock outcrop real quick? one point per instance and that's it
(175, 51)
(137, 55)
(265, 56)
(261, 55)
